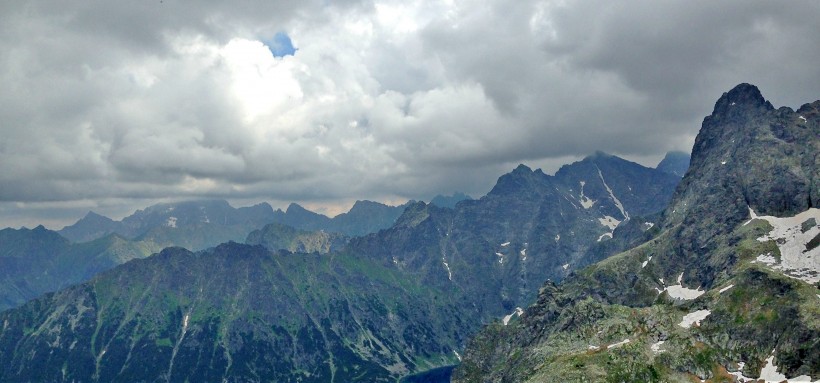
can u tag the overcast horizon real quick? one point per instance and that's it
(112, 106)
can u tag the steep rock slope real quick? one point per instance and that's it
(721, 293)
(234, 313)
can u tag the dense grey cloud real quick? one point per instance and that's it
(110, 106)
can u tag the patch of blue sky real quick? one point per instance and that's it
(280, 45)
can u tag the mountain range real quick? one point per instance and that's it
(198, 225)
(390, 303)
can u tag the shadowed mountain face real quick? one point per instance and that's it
(719, 291)
(39, 260)
(530, 227)
(676, 163)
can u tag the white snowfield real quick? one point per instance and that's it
(795, 260)
(609, 222)
(518, 311)
(585, 201)
(694, 318)
(680, 292)
(617, 202)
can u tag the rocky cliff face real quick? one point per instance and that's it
(722, 292)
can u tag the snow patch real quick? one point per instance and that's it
(792, 239)
(725, 289)
(446, 266)
(618, 203)
(171, 222)
(694, 318)
(656, 347)
(680, 292)
(646, 262)
(517, 312)
(769, 374)
(609, 222)
(585, 201)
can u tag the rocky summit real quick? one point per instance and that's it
(726, 291)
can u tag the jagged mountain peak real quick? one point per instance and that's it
(295, 207)
(761, 157)
(742, 95)
(365, 205)
(521, 168)
(414, 214)
(93, 215)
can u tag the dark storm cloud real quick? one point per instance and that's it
(114, 105)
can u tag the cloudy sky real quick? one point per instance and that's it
(114, 105)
